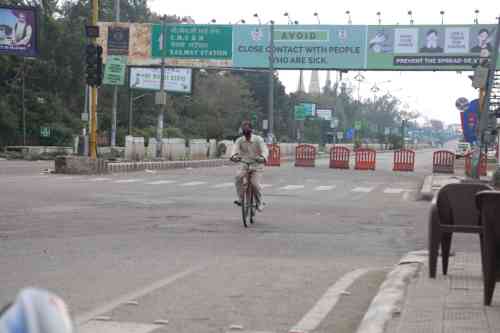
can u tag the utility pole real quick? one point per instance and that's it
(484, 134)
(115, 89)
(161, 96)
(22, 101)
(271, 82)
(93, 93)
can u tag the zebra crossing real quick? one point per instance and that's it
(403, 190)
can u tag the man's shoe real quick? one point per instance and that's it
(260, 207)
(237, 203)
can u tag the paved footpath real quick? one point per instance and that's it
(452, 303)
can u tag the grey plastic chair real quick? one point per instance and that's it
(488, 203)
(453, 210)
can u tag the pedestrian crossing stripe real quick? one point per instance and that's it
(362, 189)
(223, 185)
(127, 181)
(324, 188)
(393, 190)
(162, 182)
(193, 183)
(292, 187)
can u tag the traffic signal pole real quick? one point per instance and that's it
(93, 93)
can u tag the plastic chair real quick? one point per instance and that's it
(453, 209)
(488, 202)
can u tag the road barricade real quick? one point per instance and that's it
(404, 160)
(274, 158)
(339, 157)
(305, 156)
(468, 164)
(443, 161)
(365, 159)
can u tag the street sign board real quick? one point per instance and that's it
(176, 79)
(193, 41)
(309, 109)
(300, 112)
(462, 103)
(340, 135)
(325, 114)
(45, 132)
(357, 124)
(349, 134)
(114, 73)
(265, 124)
(118, 40)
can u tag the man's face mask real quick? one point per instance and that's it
(247, 131)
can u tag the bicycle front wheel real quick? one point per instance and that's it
(245, 204)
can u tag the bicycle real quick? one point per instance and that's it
(249, 199)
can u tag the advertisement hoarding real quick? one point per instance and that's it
(18, 31)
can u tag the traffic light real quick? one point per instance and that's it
(93, 60)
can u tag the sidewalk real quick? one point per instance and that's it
(434, 182)
(452, 303)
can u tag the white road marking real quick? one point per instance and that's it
(116, 327)
(393, 190)
(66, 178)
(362, 189)
(99, 179)
(266, 185)
(325, 188)
(162, 182)
(105, 308)
(127, 181)
(292, 187)
(223, 185)
(406, 196)
(193, 183)
(326, 303)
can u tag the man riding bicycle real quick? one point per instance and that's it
(249, 147)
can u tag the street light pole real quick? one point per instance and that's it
(115, 89)
(162, 99)
(93, 94)
(22, 101)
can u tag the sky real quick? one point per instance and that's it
(432, 94)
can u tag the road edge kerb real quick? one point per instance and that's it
(426, 192)
(389, 300)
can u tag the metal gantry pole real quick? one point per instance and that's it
(271, 83)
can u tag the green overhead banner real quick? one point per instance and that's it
(193, 41)
(429, 47)
(300, 46)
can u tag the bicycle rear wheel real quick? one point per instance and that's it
(253, 206)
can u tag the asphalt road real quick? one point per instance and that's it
(173, 242)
